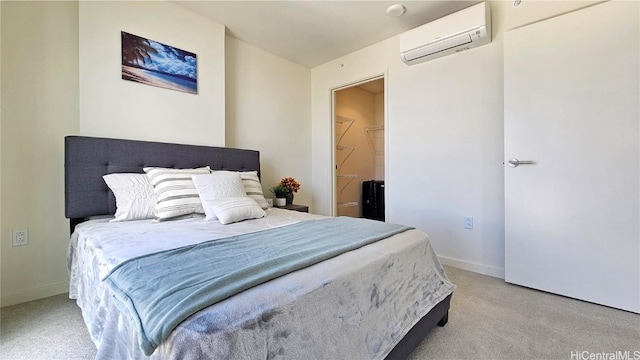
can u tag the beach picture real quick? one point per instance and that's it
(150, 62)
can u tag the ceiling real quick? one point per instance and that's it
(311, 33)
(373, 86)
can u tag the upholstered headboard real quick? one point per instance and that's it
(87, 159)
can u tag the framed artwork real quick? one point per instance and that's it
(153, 63)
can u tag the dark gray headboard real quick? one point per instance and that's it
(87, 159)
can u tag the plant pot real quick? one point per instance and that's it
(280, 202)
(289, 198)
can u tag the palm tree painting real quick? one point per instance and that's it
(150, 62)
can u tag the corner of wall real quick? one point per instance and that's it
(494, 271)
(269, 109)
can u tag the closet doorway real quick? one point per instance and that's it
(359, 149)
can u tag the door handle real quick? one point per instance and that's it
(515, 162)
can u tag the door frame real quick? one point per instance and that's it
(334, 189)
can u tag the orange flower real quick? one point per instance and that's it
(290, 183)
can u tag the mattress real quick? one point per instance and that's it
(357, 305)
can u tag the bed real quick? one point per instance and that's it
(377, 301)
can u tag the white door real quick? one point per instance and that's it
(571, 91)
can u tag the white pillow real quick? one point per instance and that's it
(253, 188)
(230, 210)
(217, 185)
(175, 193)
(135, 199)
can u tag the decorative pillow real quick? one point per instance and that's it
(135, 199)
(253, 188)
(230, 210)
(175, 193)
(217, 185)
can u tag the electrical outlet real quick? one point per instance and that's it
(20, 237)
(468, 222)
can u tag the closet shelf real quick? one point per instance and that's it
(349, 178)
(374, 128)
(371, 140)
(349, 150)
(345, 204)
(342, 126)
(343, 120)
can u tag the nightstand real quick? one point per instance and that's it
(294, 207)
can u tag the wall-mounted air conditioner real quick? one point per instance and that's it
(463, 30)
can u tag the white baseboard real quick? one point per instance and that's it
(34, 294)
(475, 267)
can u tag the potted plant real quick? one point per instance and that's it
(281, 193)
(292, 185)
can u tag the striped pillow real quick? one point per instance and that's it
(175, 193)
(253, 188)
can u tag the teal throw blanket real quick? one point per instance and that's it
(160, 290)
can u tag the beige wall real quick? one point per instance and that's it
(2, 240)
(445, 131)
(53, 94)
(445, 159)
(268, 109)
(269, 102)
(39, 107)
(112, 107)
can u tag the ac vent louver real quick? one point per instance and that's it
(463, 30)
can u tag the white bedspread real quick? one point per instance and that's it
(355, 306)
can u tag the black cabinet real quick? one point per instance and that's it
(373, 199)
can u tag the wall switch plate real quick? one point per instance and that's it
(20, 237)
(468, 222)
